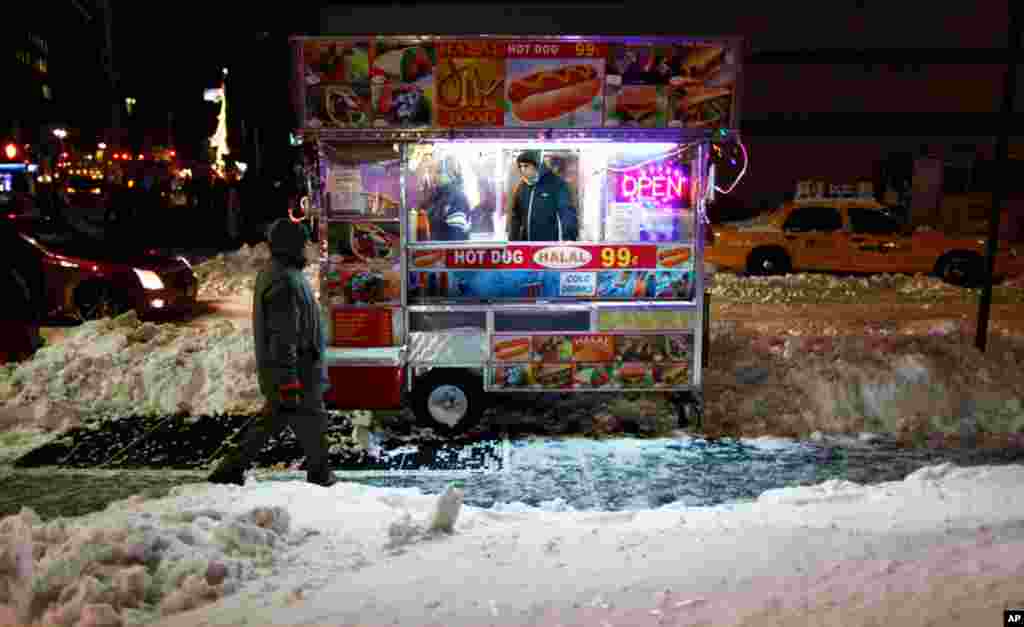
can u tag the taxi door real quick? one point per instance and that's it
(815, 238)
(877, 244)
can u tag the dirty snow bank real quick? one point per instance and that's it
(113, 368)
(234, 274)
(130, 566)
(859, 550)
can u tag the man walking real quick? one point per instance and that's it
(290, 353)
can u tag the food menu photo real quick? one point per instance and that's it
(469, 84)
(702, 87)
(362, 243)
(336, 75)
(363, 287)
(401, 74)
(554, 84)
(678, 86)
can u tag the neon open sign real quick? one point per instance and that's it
(660, 185)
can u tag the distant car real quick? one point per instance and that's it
(72, 276)
(851, 235)
(86, 193)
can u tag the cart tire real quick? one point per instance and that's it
(768, 261)
(450, 401)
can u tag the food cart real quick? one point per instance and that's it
(414, 149)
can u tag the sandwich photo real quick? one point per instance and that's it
(674, 256)
(428, 258)
(512, 349)
(551, 348)
(554, 375)
(637, 105)
(591, 376)
(703, 62)
(638, 348)
(634, 375)
(677, 374)
(593, 348)
(549, 94)
(679, 347)
(707, 106)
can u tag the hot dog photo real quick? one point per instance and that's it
(428, 258)
(512, 348)
(554, 92)
(672, 256)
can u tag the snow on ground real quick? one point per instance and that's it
(944, 546)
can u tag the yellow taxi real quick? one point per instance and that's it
(848, 232)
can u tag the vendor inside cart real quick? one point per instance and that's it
(447, 206)
(541, 208)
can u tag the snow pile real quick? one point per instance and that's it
(883, 381)
(818, 287)
(793, 551)
(127, 566)
(234, 274)
(119, 367)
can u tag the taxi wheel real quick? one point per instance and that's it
(961, 269)
(765, 261)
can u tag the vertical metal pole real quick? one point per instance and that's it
(1002, 158)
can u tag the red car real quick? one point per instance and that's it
(72, 275)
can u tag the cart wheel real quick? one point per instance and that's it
(690, 408)
(448, 401)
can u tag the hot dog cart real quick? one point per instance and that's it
(416, 144)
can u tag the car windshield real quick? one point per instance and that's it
(79, 182)
(57, 233)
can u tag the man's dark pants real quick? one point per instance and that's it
(309, 424)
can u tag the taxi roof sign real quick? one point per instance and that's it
(819, 190)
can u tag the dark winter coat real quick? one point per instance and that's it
(290, 342)
(543, 212)
(449, 214)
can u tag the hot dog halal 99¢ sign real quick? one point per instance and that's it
(541, 257)
(519, 83)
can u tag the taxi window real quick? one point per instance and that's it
(814, 219)
(872, 222)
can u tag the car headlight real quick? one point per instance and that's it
(150, 280)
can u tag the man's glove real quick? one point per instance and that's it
(290, 395)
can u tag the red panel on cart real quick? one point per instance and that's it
(365, 387)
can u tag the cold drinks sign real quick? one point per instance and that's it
(658, 185)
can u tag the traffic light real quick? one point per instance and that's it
(10, 151)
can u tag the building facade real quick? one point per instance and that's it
(60, 75)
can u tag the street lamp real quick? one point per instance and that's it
(130, 103)
(102, 146)
(60, 133)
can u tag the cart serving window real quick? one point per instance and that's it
(509, 215)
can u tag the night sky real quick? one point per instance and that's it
(167, 57)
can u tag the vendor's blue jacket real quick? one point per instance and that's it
(543, 212)
(449, 214)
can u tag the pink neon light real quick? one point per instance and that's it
(653, 185)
